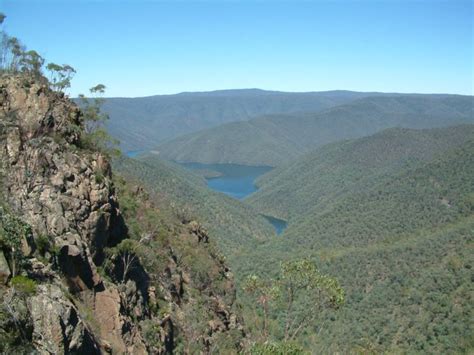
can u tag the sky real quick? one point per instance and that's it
(143, 48)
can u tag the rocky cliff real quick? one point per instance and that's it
(82, 275)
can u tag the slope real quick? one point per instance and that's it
(141, 123)
(275, 139)
(320, 176)
(398, 235)
(230, 222)
(88, 263)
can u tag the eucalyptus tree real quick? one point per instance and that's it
(95, 134)
(296, 299)
(60, 76)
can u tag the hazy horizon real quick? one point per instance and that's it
(287, 92)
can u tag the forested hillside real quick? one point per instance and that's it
(317, 178)
(391, 216)
(240, 221)
(276, 139)
(141, 123)
(231, 223)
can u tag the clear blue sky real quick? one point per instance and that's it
(139, 48)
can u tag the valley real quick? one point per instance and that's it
(243, 221)
(369, 211)
(237, 181)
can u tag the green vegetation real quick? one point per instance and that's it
(295, 299)
(319, 177)
(13, 232)
(94, 136)
(23, 285)
(126, 253)
(230, 222)
(60, 76)
(391, 218)
(176, 259)
(141, 123)
(254, 142)
(15, 58)
(276, 349)
(274, 140)
(16, 326)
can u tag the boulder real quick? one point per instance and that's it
(4, 269)
(57, 326)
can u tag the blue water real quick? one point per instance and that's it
(237, 181)
(279, 224)
(133, 153)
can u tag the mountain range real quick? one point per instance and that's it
(144, 122)
(275, 139)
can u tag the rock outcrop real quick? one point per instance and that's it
(65, 193)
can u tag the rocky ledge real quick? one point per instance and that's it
(64, 194)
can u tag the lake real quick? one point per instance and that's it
(279, 224)
(133, 153)
(234, 180)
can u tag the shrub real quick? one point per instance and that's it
(43, 244)
(284, 348)
(23, 285)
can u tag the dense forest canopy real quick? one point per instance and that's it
(102, 253)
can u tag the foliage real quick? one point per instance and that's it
(264, 292)
(229, 222)
(168, 250)
(284, 348)
(95, 136)
(14, 57)
(43, 243)
(23, 285)
(126, 253)
(319, 177)
(391, 217)
(12, 232)
(15, 323)
(151, 334)
(297, 297)
(60, 76)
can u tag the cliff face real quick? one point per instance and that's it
(66, 197)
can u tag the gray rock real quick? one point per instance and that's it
(4, 269)
(58, 327)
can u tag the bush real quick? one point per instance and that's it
(12, 231)
(276, 349)
(43, 244)
(23, 285)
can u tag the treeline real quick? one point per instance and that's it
(16, 58)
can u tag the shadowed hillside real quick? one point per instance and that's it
(142, 123)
